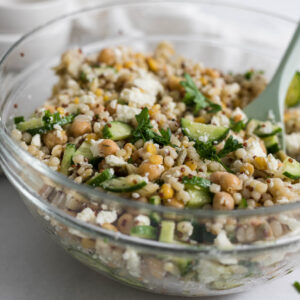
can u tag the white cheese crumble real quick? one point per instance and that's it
(133, 262)
(115, 161)
(148, 83)
(222, 241)
(266, 127)
(254, 149)
(126, 113)
(239, 113)
(142, 220)
(95, 147)
(36, 140)
(272, 163)
(293, 142)
(220, 120)
(106, 216)
(86, 215)
(137, 97)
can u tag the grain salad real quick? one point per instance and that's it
(165, 130)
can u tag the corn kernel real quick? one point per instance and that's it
(212, 73)
(154, 110)
(247, 168)
(109, 226)
(128, 64)
(156, 159)
(166, 191)
(200, 120)
(151, 148)
(76, 100)
(98, 92)
(91, 136)
(152, 64)
(118, 67)
(61, 110)
(192, 165)
(106, 98)
(260, 163)
(203, 80)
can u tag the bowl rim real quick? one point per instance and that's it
(44, 170)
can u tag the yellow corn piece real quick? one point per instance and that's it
(156, 159)
(128, 64)
(260, 163)
(76, 100)
(203, 80)
(91, 136)
(152, 64)
(154, 110)
(106, 98)
(166, 191)
(118, 67)
(99, 92)
(61, 110)
(192, 165)
(151, 148)
(200, 120)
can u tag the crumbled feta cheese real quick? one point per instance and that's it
(95, 147)
(272, 163)
(36, 140)
(148, 83)
(142, 220)
(254, 148)
(133, 262)
(126, 113)
(115, 161)
(86, 215)
(266, 127)
(222, 241)
(220, 120)
(137, 97)
(57, 127)
(204, 138)
(293, 143)
(113, 104)
(88, 99)
(106, 216)
(185, 227)
(215, 188)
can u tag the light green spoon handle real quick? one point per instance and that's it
(286, 68)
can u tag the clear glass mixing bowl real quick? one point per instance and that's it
(264, 242)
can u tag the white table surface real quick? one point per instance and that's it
(33, 267)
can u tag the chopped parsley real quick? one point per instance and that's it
(243, 203)
(237, 126)
(196, 181)
(248, 75)
(83, 77)
(297, 286)
(193, 97)
(209, 151)
(144, 130)
(18, 120)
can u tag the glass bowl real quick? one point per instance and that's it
(262, 244)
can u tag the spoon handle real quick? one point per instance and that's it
(287, 66)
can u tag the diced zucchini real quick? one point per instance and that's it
(201, 235)
(155, 200)
(100, 178)
(272, 144)
(32, 123)
(198, 197)
(184, 265)
(144, 231)
(85, 150)
(67, 159)
(293, 94)
(291, 168)
(117, 131)
(203, 132)
(167, 232)
(260, 131)
(127, 184)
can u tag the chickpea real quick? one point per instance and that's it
(108, 147)
(153, 171)
(125, 223)
(98, 109)
(79, 128)
(223, 201)
(230, 183)
(216, 176)
(53, 138)
(107, 56)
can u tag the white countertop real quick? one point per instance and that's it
(33, 267)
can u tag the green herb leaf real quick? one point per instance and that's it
(83, 77)
(230, 145)
(248, 75)
(237, 126)
(19, 119)
(208, 150)
(144, 130)
(196, 181)
(50, 120)
(243, 203)
(297, 286)
(193, 97)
